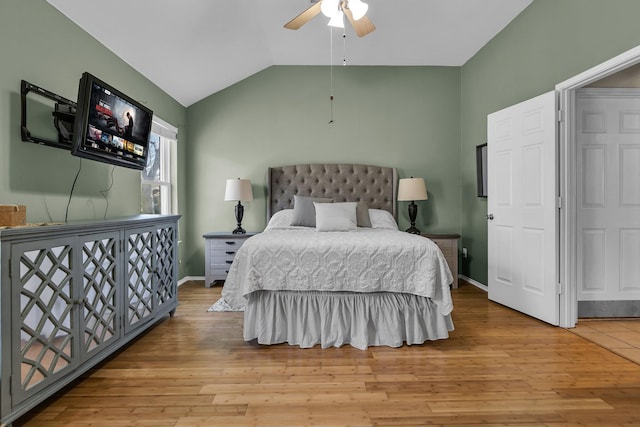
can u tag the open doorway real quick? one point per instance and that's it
(608, 198)
(572, 179)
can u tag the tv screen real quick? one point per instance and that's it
(110, 127)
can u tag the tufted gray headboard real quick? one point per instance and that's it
(375, 185)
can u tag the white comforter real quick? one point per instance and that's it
(365, 260)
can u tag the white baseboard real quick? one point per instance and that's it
(189, 278)
(473, 282)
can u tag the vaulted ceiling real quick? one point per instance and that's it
(193, 48)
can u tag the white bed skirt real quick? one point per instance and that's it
(333, 319)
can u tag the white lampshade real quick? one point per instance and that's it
(358, 9)
(337, 21)
(329, 8)
(238, 190)
(410, 189)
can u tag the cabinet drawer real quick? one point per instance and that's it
(223, 252)
(446, 246)
(226, 244)
(221, 263)
(221, 256)
(219, 273)
(220, 251)
(217, 258)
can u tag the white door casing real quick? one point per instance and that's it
(608, 194)
(567, 175)
(522, 211)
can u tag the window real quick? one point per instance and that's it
(159, 177)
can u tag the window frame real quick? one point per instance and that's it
(167, 181)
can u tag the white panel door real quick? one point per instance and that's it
(522, 214)
(608, 199)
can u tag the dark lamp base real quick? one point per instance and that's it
(413, 212)
(239, 213)
(412, 230)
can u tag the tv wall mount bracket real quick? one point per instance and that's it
(63, 116)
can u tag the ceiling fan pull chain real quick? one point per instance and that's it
(344, 49)
(331, 75)
(331, 103)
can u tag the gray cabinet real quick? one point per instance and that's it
(220, 250)
(73, 294)
(448, 244)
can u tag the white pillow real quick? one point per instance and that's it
(303, 212)
(382, 219)
(336, 216)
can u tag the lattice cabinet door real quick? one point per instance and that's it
(166, 265)
(140, 301)
(73, 294)
(45, 305)
(100, 292)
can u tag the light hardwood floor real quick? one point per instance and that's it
(621, 336)
(497, 368)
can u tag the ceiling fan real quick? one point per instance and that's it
(336, 10)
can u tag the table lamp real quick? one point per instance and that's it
(238, 190)
(411, 189)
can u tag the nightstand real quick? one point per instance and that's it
(219, 252)
(448, 244)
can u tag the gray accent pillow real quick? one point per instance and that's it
(362, 215)
(304, 213)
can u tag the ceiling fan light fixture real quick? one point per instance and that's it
(335, 10)
(330, 8)
(337, 20)
(358, 9)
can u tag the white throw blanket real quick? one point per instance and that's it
(366, 260)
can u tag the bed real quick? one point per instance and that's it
(351, 277)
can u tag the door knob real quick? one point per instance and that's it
(490, 217)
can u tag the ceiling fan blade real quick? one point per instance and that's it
(304, 17)
(362, 26)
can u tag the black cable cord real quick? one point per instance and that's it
(66, 214)
(106, 191)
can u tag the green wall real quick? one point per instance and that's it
(404, 117)
(426, 121)
(551, 41)
(40, 45)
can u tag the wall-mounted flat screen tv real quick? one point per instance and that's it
(110, 127)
